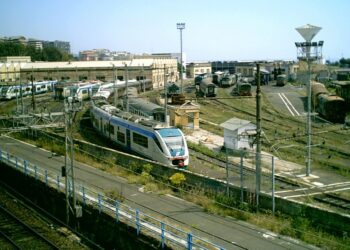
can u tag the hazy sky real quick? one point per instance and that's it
(215, 29)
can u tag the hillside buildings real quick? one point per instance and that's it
(38, 43)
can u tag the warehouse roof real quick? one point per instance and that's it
(144, 62)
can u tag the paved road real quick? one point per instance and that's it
(288, 99)
(227, 232)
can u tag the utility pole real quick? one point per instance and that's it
(126, 88)
(143, 80)
(258, 135)
(115, 92)
(165, 99)
(68, 171)
(308, 122)
(33, 92)
(21, 94)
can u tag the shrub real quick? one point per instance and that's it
(177, 179)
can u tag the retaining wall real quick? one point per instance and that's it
(330, 221)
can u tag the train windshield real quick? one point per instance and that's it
(4, 90)
(173, 140)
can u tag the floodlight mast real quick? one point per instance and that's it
(181, 26)
(309, 51)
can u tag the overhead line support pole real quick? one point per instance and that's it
(258, 135)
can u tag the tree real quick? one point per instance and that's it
(34, 53)
(50, 54)
(344, 62)
(12, 49)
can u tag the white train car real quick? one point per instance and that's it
(144, 137)
(12, 91)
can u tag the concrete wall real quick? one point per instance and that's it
(100, 228)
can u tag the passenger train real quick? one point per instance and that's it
(9, 92)
(151, 139)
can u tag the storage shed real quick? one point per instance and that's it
(185, 115)
(238, 134)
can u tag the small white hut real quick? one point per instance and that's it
(239, 134)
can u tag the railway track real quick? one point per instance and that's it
(281, 182)
(22, 206)
(16, 233)
(334, 201)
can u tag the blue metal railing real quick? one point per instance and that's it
(166, 233)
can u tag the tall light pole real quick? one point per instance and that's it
(309, 51)
(181, 26)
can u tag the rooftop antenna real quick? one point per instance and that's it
(309, 51)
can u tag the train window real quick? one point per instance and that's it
(121, 137)
(140, 140)
(158, 144)
(105, 128)
(111, 129)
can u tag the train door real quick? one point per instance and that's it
(128, 138)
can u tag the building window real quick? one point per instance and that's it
(101, 78)
(140, 140)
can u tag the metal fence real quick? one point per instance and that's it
(241, 172)
(144, 223)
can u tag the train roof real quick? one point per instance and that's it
(332, 98)
(207, 81)
(145, 105)
(318, 88)
(105, 106)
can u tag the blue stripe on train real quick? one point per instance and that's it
(132, 128)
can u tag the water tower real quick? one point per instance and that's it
(309, 51)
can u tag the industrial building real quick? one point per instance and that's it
(158, 70)
(194, 69)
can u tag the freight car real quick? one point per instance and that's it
(150, 139)
(207, 88)
(329, 106)
(343, 90)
